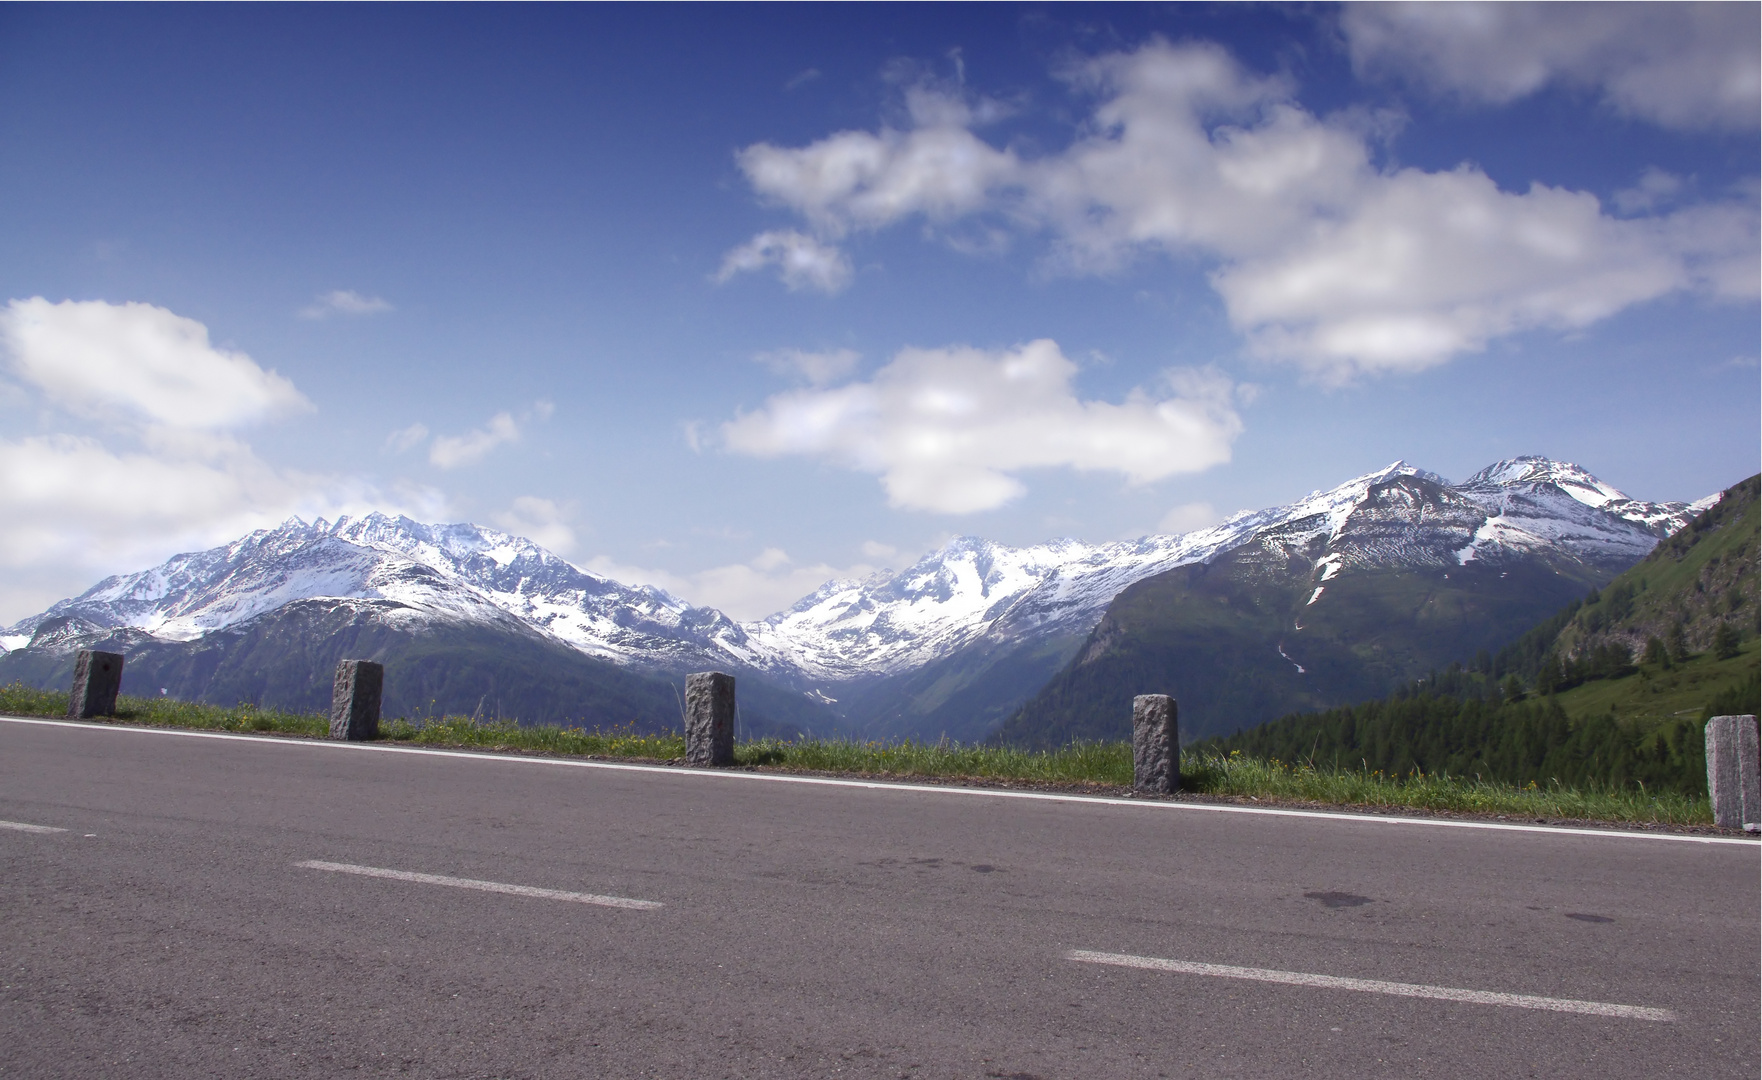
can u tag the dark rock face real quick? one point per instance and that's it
(354, 700)
(1156, 745)
(97, 676)
(709, 719)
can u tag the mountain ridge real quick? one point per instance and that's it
(942, 644)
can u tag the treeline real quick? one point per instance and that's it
(1519, 742)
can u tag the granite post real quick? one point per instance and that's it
(1156, 745)
(97, 676)
(1734, 772)
(709, 719)
(354, 700)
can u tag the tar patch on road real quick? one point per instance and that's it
(1337, 899)
(1581, 917)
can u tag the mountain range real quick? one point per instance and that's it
(967, 642)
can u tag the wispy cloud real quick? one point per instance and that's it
(405, 438)
(818, 368)
(343, 302)
(541, 520)
(802, 262)
(767, 583)
(454, 451)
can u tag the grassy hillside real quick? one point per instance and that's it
(1697, 581)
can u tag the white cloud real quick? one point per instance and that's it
(1655, 188)
(539, 520)
(949, 429)
(1320, 257)
(453, 451)
(801, 261)
(343, 302)
(70, 498)
(768, 583)
(818, 368)
(101, 361)
(1186, 518)
(154, 465)
(874, 549)
(405, 438)
(1678, 65)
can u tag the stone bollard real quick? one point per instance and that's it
(709, 719)
(1734, 772)
(97, 676)
(1156, 745)
(354, 700)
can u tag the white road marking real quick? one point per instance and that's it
(1375, 986)
(19, 826)
(878, 785)
(481, 886)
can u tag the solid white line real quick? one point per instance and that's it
(19, 826)
(879, 785)
(1375, 986)
(480, 886)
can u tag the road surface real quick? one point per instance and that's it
(238, 906)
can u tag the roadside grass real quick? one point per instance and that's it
(1095, 763)
(22, 700)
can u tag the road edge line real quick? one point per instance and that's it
(881, 785)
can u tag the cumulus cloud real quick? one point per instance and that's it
(1677, 65)
(1320, 257)
(801, 261)
(155, 465)
(768, 583)
(949, 429)
(539, 520)
(102, 361)
(343, 302)
(69, 497)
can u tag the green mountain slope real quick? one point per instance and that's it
(1613, 689)
(1238, 645)
(1317, 613)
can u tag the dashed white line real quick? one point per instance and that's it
(19, 826)
(480, 886)
(1375, 986)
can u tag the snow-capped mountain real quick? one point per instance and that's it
(972, 596)
(438, 573)
(974, 588)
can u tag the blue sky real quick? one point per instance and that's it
(736, 299)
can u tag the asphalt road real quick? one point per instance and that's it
(171, 929)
